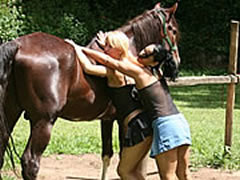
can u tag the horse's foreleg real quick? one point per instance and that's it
(107, 149)
(37, 143)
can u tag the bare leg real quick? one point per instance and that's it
(132, 161)
(183, 171)
(167, 164)
(38, 141)
(141, 169)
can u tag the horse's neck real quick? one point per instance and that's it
(132, 47)
(127, 29)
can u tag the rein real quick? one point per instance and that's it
(166, 38)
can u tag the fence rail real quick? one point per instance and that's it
(192, 81)
(232, 79)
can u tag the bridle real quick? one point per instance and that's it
(165, 38)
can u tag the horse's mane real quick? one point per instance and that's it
(146, 28)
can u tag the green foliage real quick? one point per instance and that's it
(204, 107)
(8, 178)
(204, 25)
(57, 18)
(10, 24)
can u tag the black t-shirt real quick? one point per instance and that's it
(157, 101)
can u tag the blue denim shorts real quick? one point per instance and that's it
(169, 132)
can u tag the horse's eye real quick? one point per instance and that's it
(169, 28)
(174, 32)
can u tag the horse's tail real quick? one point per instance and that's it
(7, 54)
(8, 51)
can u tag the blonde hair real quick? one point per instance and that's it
(119, 40)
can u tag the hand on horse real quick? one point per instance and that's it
(101, 36)
(70, 41)
(73, 44)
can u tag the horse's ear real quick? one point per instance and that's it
(172, 9)
(157, 6)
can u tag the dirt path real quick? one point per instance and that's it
(88, 167)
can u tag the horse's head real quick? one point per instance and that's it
(157, 56)
(169, 32)
(155, 26)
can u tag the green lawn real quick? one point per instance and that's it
(203, 106)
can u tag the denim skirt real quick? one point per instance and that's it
(169, 132)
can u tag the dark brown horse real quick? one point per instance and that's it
(40, 74)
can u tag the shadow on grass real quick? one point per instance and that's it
(203, 96)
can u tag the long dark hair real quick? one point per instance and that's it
(165, 62)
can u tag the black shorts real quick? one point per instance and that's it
(139, 128)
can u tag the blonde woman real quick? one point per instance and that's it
(137, 127)
(171, 133)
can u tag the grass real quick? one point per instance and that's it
(8, 178)
(203, 106)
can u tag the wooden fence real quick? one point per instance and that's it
(231, 79)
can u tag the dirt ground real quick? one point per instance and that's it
(88, 167)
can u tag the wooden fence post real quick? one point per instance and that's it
(238, 58)
(232, 69)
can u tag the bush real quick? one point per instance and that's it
(204, 25)
(10, 23)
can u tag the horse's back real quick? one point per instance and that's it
(49, 80)
(40, 74)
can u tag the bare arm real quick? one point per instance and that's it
(88, 67)
(142, 76)
(123, 66)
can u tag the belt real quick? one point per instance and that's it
(131, 116)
